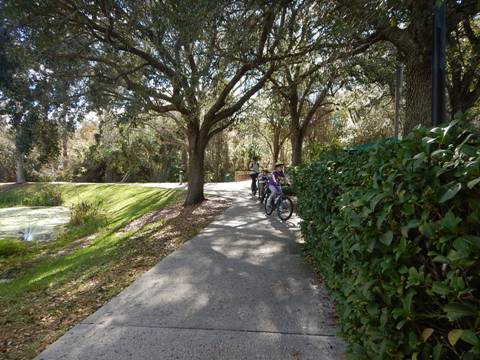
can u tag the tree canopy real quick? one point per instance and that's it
(186, 71)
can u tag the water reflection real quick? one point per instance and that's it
(32, 223)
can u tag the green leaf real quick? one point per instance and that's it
(410, 225)
(441, 259)
(437, 351)
(470, 337)
(462, 244)
(473, 182)
(440, 288)
(407, 303)
(451, 192)
(373, 310)
(413, 272)
(356, 247)
(454, 335)
(381, 219)
(460, 258)
(472, 239)
(458, 283)
(470, 356)
(456, 311)
(420, 156)
(426, 230)
(396, 313)
(387, 238)
(401, 324)
(450, 221)
(356, 204)
(412, 340)
(376, 199)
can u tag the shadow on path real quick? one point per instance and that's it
(238, 290)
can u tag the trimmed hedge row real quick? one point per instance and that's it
(395, 231)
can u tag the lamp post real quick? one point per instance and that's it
(438, 62)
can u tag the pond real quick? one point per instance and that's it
(32, 223)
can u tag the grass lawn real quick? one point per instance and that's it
(55, 284)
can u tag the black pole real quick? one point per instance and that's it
(438, 63)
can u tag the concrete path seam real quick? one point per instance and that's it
(211, 329)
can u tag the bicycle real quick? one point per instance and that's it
(262, 184)
(262, 189)
(282, 203)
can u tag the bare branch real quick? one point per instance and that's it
(238, 105)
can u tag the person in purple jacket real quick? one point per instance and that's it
(274, 183)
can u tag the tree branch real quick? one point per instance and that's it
(238, 105)
(220, 102)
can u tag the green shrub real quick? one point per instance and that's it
(12, 247)
(49, 195)
(85, 211)
(41, 195)
(395, 231)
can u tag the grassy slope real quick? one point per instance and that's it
(43, 276)
(122, 205)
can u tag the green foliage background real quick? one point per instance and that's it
(395, 231)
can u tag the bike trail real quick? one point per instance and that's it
(240, 289)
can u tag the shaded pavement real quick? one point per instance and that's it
(238, 290)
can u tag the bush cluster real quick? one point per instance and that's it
(85, 211)
(395, 231)
(12, 247)
(49, 195)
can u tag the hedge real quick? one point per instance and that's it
(395, 232)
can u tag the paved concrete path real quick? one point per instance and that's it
(238, 290)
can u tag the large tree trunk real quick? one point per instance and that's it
(65, 151)
(19, 168)
(460, 94)
(184, 152)
(197, 143)
(226, 157)
(217, 157)
(418, 93)
(276, 154)
(296, 133)
(296, 139)
(276, 144)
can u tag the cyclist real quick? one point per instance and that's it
(274, 183)
(254, 168)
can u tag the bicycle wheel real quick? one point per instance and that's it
(285, 208)
(261, 191)
(266, 194)
(268, 211)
